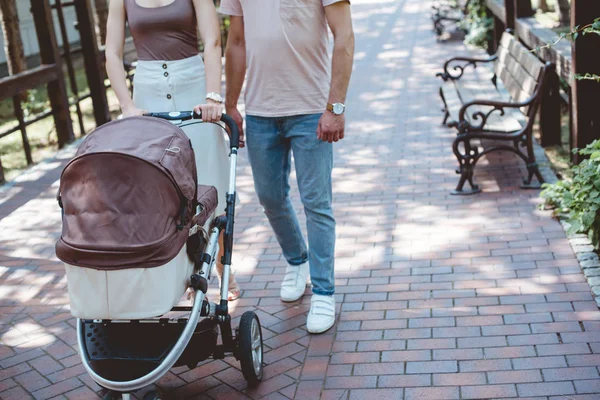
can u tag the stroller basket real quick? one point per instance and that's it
(122, 351)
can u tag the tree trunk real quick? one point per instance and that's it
(101, 7)
(543, 6)
(13, 44)
(564, 14)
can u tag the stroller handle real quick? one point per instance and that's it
(188, 115)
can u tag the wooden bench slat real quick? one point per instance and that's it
(521, 55)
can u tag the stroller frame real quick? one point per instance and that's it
(245, 345)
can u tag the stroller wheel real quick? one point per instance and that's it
(152, 395)
(251, 348)
(110, 395)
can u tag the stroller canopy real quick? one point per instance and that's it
(128, 196)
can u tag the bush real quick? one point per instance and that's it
(477, 24)
(579, 199)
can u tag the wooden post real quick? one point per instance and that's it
(93, 60)
(585, 94)
(499, 29)
(523, 9)
(511, 16)
(550, 123)
(49, 54)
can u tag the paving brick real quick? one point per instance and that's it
(498, 330)
(379, 369)
(479, 321)
(483, 341)
(562, 349)
(539, 362)
(32, 381)
(556, 327)
(430, 322)
(408, 355)
(16, 393)
(354, 358)
(488, 391)
(584, 360)
(351, 382)
(523, 340)
(570, 374)
(459, 354)
(381, 345)
(456, 332)
(315, 368)
(407, 334)
(57, 388)
(528, 318)
(340, 370)
(459, 379)
(587, 386)
(417, 344)
(382, 394)
(498, 377)
(545, 389)
(442, 393)
(509, 352)
(431, 367)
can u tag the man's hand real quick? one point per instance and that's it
(331, 127)
(234, 113)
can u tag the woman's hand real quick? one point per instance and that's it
(211, 111)
(132, 111)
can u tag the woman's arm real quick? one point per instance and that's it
(115, 41)
(210, 33)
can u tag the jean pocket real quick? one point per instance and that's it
(299, 9)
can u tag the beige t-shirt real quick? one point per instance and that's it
(286, 55)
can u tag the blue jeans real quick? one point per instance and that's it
(271, 142)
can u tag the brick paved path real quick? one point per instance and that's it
(440, 297)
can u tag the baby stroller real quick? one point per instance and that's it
(138, 231)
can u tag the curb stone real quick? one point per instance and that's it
(589, 261)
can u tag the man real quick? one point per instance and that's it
(293, 106)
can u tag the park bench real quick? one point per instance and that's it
(502, 109)
(452, 11)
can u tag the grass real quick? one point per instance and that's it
(42, 134)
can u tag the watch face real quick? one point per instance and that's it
(338, 108)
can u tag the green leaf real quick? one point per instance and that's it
(596, 25)
(575, 227)
(588, 219)
(575, 35)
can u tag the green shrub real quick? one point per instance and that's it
(579, 199)
(478, 24)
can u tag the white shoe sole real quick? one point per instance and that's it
(322, 329)
(292, 299)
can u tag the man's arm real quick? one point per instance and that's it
(235, 68)
(331, 127)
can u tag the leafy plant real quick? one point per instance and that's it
(579, 199)
(477, 24)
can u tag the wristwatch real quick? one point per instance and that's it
(214, 97)
(336, 108)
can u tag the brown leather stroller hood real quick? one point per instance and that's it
(127, 196)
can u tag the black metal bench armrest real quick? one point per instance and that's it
(447, 75)
(496, 106)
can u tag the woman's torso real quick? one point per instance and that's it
(163, 33)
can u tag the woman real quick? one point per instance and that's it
(170, 76)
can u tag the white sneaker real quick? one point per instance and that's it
(321, 316)
(294, 282)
